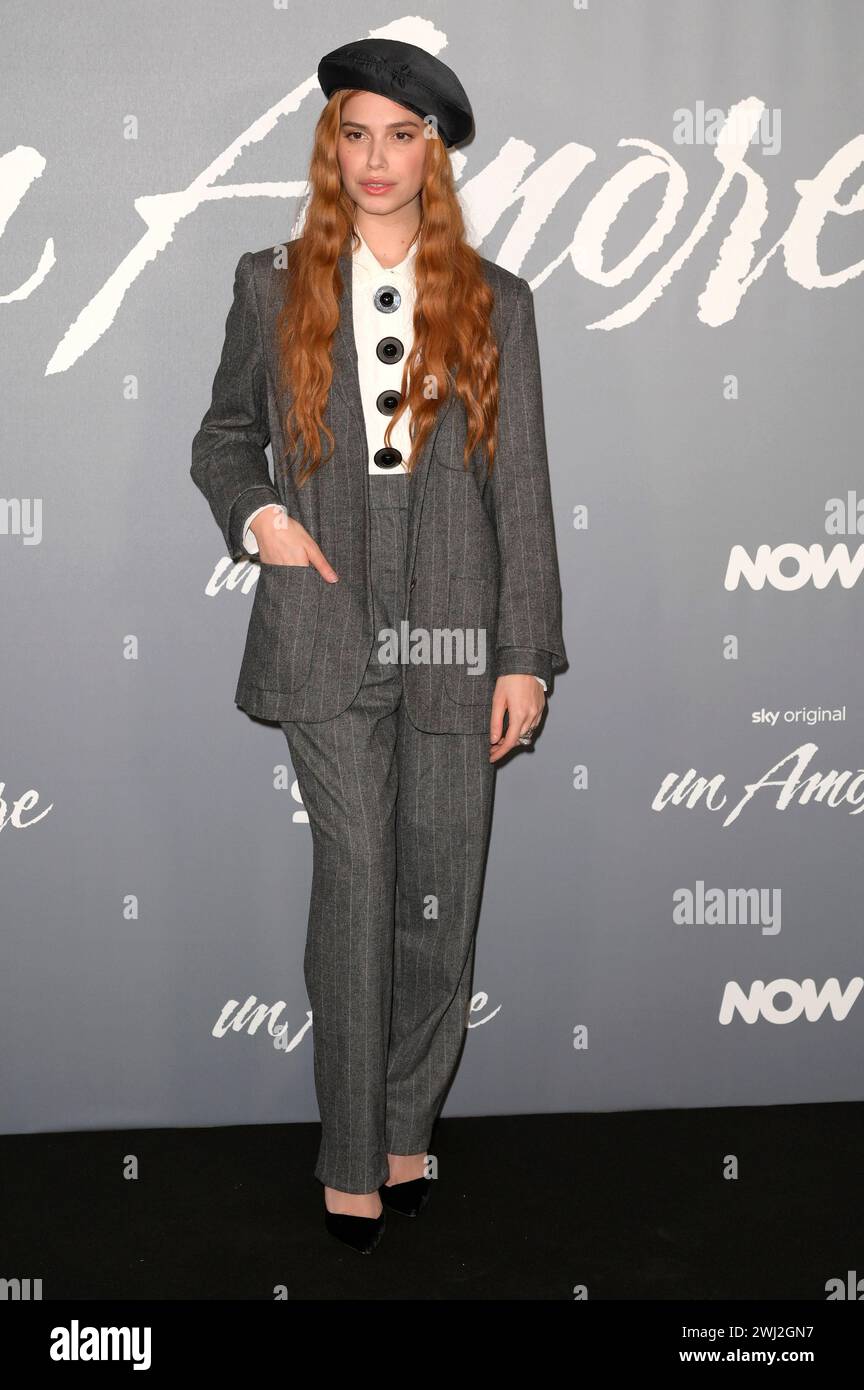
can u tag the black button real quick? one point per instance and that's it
(390, 350)
(387, 458)
(413, 581)
(387, 299)
(388, 401)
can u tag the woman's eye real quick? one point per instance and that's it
(402, 136)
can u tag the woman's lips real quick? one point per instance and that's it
(373, 187)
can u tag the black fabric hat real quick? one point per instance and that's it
(407, 75)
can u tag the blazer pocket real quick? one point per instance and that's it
(472, 616)
(452, 462)
(280, 639)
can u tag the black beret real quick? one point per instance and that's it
(407, 75)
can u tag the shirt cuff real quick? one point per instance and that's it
(249, 539)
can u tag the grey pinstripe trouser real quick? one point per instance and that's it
(400, 821)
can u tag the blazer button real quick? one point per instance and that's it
(413, 581)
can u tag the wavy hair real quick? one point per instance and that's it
(454, 346)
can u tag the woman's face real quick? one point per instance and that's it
(382, 153)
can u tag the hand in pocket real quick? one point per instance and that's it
(283, 541)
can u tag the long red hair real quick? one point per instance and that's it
(454, 346)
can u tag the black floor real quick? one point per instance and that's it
(631, 1205)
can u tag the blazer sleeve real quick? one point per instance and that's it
(530, 637)
(229, 464)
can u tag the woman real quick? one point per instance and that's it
(428, 520)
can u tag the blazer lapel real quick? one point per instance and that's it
(418, 488)
(344, 350)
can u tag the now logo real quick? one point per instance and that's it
(802, 998)
(811, 565)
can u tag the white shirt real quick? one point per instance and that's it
(371, 324)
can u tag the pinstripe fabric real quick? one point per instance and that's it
(397, 814)
(480, 553)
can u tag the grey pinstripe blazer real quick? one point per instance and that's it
(481, 554)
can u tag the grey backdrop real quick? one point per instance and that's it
(156, 871)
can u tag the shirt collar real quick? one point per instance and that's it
(365, 260)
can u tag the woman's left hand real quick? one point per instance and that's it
(524, 700)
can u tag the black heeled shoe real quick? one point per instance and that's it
(362, 1233)
(409, 1198)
